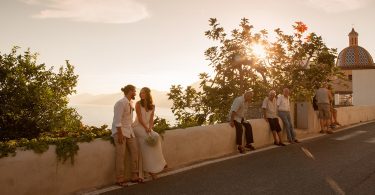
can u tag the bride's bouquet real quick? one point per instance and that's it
(152, 139)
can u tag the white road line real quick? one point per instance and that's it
(308, 153)
(351, 135)
(333, 184)
(371, 141)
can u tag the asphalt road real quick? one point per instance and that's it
(341, 163)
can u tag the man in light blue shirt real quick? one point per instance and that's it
(237, 120)
(283, 107)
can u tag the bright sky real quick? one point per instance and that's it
(158, 43)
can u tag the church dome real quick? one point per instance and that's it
(354, 56)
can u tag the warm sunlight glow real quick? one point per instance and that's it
(259, 50)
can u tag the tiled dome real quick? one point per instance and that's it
(354, 56)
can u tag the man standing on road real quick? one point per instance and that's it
(270, 114)
(283, 107)
(237, 120)
(323, 98)
(124, 137)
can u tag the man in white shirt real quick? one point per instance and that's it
(123, 135)
(283, 107)
(237, 120)
(270, 114)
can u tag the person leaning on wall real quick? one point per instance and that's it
(283, 107)
(333, 120)
(269, 107)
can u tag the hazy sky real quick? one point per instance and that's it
(158, 43)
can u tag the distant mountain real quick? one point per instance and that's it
(160, 99)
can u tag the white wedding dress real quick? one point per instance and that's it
(151, 158)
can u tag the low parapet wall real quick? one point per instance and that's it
(186, 146)
(30, 173)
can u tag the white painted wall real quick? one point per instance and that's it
(364, 87)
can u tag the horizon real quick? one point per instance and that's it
(145, 43)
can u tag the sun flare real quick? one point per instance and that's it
(259, 50)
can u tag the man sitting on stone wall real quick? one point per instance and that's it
(237, 120)
(270, 114)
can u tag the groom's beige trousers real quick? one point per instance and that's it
(131, 144)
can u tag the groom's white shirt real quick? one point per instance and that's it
(123, 117)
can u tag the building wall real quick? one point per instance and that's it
(364, 87)
(31, 173)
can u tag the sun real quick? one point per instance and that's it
(259, 50)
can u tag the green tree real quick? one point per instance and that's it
(300, 61)
(237, 69)
(296, 61)
(187, 106)
(34, 99)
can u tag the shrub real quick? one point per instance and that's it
(33, 98)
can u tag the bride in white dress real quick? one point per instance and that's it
(151, 156)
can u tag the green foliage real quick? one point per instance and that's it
(34, 112)
(8, 147)
(37, 145)
(66, 142)
(66, 148)
(300, 62)
(296, 61)
(161, 125)
(186, 106)
(236, 68)
(34, 99)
